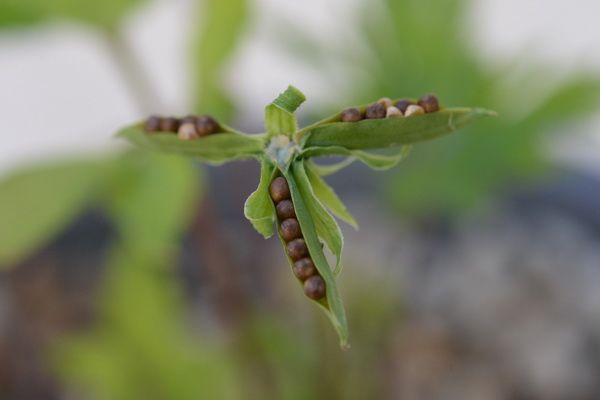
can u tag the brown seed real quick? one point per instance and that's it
(403, 104)
(314, 287)
(393, 112)
(169, 124)
(189, 119)
(206, 125)
(304, 269)
(285, 209)
(187, 131)
(351, 115)
(290, 229)
(429, 103)
(279, 189)
(152, 124)
(297, 249)
(375, 111)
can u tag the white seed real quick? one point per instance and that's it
(414, 109)
(386, 101)
(187, 131)
(393, 112)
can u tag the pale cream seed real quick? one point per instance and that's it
(393, 112)
(187, 131)
(414, 109)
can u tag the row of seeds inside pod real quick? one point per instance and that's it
(385, 108)
(187, 128)
(289, 229)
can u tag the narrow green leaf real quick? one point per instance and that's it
(331, 169)
(372, 160)
(258, 208)
(327, 196)
(332, 305)
(214, 149)
(279, 115)
(388, 132)
(37, 203)
(327, 227)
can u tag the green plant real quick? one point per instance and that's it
(285, 153)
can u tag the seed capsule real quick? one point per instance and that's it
(429, 103)
(392, 112)
(375, 111)
(279, 189)
(187, 131)
(297, 249)
(403, 104)
(152, 124)
(169, 124)
(351, 115)
(414, 110)
(290, 229)
(385, 101)
(206, 125)
(314, 287)
(285, 209)
(304, 269)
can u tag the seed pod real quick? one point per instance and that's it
(414, 110)
(152, 124)
(206, 125)
(351, 115)
(187, 131)
(304, 269)
(403, 104)
(375, 111)
(290, 229)
(285, 209)
(429, 103)
(297, 249)
(279, 189)
(314, 287)
(385, 101)
(392, 112)
(169, 124)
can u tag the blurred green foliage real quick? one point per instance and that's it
(409, 48)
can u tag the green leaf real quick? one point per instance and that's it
(221, 27)
(290, 99)
(214, 149)
(327, 227)
(279, 115)
(331, 169)
(388, 132)
(37, 203)
(258, 208)
(327, 196)
(302, 196)
(375, 161)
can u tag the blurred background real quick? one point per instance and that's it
(476, 270)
